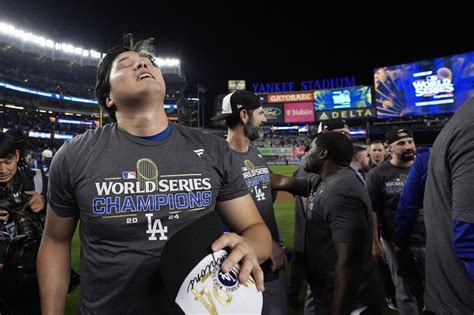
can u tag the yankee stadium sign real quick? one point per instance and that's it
(308, 85)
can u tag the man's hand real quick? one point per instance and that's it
(279, 260)
(241, 252)
(37, 201)
(378, 251)
(4, 218)
(4, 215)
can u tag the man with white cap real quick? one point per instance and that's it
(46, 157)
(243, 113)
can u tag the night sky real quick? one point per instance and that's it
(245, 41)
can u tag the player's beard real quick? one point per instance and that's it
(251, 131)
(407, 156)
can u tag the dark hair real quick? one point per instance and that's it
(8, 146)
(377, 142)
(19, 138)
(357, 150)
(234, 120)
(102, 86)
(338, 145)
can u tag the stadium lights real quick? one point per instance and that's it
(167, 62)
(10, 30)
(14, 107)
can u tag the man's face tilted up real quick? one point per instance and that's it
(134, 79)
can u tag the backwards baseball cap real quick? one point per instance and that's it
(192, 275)
(234, 102)
(397, 134)
(332, 124)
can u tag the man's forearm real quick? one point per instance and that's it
(344, 290)
(54, 264)
(375, 227)
(346, 276)
(260, 239)
(289, 184)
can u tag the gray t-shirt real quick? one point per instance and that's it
(131, 195)
(300, 208)
(449, 196)
(385, 184)
(339, 211)
(256, 175)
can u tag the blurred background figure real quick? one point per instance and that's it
(377, 153)
(45, 161)
(360, 163)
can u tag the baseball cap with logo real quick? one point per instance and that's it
(192, 275)
(397, 134)
(234, 102)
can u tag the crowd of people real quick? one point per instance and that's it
(273, 139)
(374, 225)
(46, 75)
(40, 122)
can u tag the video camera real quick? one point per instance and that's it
(21, 235)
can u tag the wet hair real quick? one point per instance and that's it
(102, 87)
(8, 146)
(338, 145)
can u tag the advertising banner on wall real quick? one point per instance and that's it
(274, 113)
(290, 97)
(299, 112)
(348, 114)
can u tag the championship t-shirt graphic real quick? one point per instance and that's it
(144, 190)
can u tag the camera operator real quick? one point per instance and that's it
(22, 212)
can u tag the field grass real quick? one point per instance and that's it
(284, 212)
